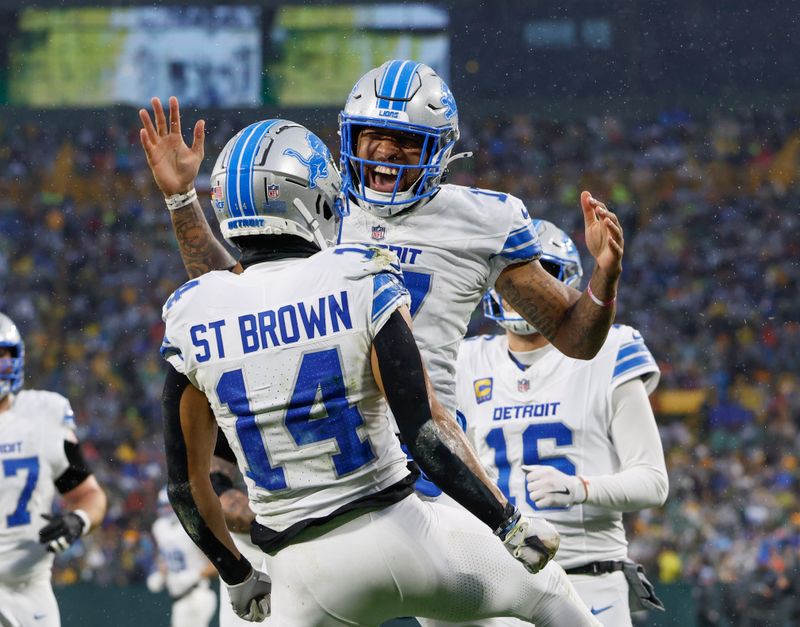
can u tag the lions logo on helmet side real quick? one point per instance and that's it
(268, 182)
(316, 162)
(407, 97)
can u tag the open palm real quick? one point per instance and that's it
(603, 234)
(174, 164)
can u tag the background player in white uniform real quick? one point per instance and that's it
(290, 354)
(581, 435)
(39, 454)
(183, 569)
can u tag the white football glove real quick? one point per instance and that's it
(532, 541)
(251, 599)
(549, 487)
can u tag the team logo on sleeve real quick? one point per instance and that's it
(483, 390)
(523, 385)
(378, 232)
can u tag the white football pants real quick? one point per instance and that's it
(413, 559)
(605, 595)
(196, 609)
(31, 604)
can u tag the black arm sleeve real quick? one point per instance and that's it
(77, 471)
(233, 570)
(404, 382)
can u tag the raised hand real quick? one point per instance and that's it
(603, 235)
(174, 164)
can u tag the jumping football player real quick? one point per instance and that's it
(398, 130)
(572, 441)
(40, 454)
(295, 356)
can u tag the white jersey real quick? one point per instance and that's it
(556, 412)
(451, 249)
(32, 434)
(184, 561)
(282, 351)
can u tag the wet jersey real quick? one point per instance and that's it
(555, 412)
(451, 249)
(32, 434)
(282, 351)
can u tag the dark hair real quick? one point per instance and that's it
(260, 248)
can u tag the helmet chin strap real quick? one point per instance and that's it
(313, 225)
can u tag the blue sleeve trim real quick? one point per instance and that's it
(533, 251)
(176, 295)
(386, 292)
(167, 349)
(632, 364)
(520, 237)
(628, 350)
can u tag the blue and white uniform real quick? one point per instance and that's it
(32, 435)
(294, 333)
(194, 601)
(561, 412)
(452, 248)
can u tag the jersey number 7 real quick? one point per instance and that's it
(11, 467)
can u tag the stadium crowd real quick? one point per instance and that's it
(87, 258)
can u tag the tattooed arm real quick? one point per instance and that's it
(573, 322)
(175, 167)
(200, 250)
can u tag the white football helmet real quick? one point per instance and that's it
(276, 177)
(12, 369)
(559, 257)
(404, 96)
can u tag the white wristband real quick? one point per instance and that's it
(87, 524)
(176, 201)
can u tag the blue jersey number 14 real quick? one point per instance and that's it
(320, 375)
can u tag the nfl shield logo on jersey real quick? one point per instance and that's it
(483, 390)
(273, 191)
(378, 232)
(523, 385)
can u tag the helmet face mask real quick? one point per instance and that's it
(276, 177)
(12, 368)
(559, 257)
(398, 97)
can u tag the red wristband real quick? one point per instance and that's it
(597, 301)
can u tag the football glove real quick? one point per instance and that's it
(549, 487)
(532, 541)
(62, 530)
(251, 599)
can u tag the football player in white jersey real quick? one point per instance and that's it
(572, 441)
(295, 356)
(183, 569)
(39, 454)
(398, 130)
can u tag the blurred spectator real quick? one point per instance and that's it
(711, 278)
